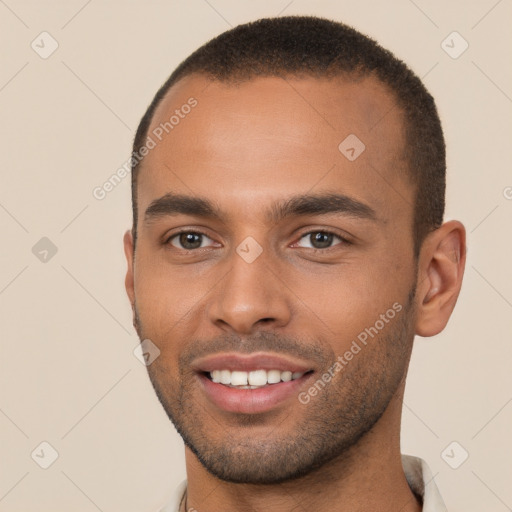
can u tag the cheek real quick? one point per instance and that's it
(351, 298)
(170, 305)
(168, 300)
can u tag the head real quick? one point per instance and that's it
(291, 215)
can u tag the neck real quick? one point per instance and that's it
(368, 477)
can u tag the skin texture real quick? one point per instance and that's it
(245, 147)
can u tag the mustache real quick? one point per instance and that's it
(263, 341)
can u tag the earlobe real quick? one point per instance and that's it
(441, 268)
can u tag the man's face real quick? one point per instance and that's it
(267, 289)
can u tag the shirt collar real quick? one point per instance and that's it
(420, 480)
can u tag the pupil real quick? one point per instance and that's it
(321, 240)
(190, 240)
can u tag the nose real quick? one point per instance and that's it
(250, 296)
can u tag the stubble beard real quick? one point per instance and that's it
(257, 449)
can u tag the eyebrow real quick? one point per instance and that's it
(301, 205)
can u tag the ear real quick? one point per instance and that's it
(130, 256)
(441, 267)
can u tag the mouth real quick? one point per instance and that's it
(251, 383)
(254, 379)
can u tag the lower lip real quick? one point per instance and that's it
(251, 401)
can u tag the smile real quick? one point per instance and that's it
(251, 383)
(253, 379)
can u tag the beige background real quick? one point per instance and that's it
(68, 375)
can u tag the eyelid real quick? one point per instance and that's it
(169, 237)
(344, 239)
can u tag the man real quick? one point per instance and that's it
(287, 244)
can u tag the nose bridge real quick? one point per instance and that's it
(250, 292)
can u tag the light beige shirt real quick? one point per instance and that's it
(418, 474)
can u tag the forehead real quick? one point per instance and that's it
(262, 138)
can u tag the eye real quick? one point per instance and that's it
(320, 239)
(189, 240)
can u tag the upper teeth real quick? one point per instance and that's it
(254, 378)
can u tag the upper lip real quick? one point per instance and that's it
(249, 362)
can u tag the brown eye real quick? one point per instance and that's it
(188, 240)
(320, 239)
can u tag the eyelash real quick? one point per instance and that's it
(344, 241)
